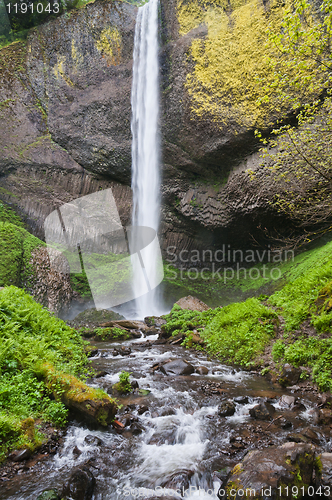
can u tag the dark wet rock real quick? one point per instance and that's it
(192, 303)
(115, 352)
(20, 455)
(151, 330)
(311, 435)
(126, 323)
(179, 480)
(290, 464)
(226, 409)
(298, 406)
(100, 374)
(289, 376)
(263, 411)
(241, 400)
(166, 410)
(202, 370)
(92, 318)
(314, 415)
(177, 367)
(136, 428)
(134, 384)
(124, 350)
(287, 401)
(93, 440)
(76, 452)
(297, 438)
(177, 339)
(80, 485)
(285, 424)
(325, 416)
(92, 353)
(142, 409)
(154, 321)
(326, 473)
(49, 495)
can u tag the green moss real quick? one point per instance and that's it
(15, 254)
(30, 339)
(230, 64)
(123, 386)
(104, 334)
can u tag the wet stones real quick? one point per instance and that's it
(211, 388)
(287, 401)
(325, 416)
(20, 455)
(289, 376)
(177, 367)
(122, 351)
(93, 440)
(202, 370)
(263, 411)
(241, 400)
(226, 409)
(80, 485)
(326, 472)
(154, 321)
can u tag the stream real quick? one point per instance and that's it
(174, 444)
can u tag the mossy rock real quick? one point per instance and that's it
(92, 318)
(109, 334)
(94, 405)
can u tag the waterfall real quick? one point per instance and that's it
(145, 148)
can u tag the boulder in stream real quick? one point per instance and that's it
(80, 485)
(262, 411)
(226, 409)
(177, 367)
(289, 376)
(290, 464)
(192, 303)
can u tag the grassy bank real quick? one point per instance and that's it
(40, 360)
(297, 318)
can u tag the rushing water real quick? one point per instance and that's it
(183, 440)
(145, 147)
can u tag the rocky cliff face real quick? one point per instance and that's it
(65, 116)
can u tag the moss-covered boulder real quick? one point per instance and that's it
(272, 470)
(93, 405)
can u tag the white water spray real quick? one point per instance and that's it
(145, 145)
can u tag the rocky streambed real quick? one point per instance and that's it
(182, 433)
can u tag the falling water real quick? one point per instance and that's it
(145, 146)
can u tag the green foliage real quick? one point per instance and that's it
(314, 352)
(79, 283)
(123, 385)
(115, 333)
(8, 215)
(185, 320)
(240, 331)
(28, 334)
(29, 337)
(15, 254)
(305, 280)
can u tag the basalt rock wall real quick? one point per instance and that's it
(65, 117)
